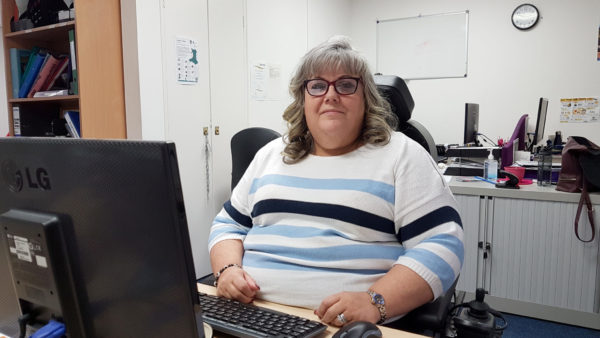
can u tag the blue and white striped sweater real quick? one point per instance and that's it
(328, 224)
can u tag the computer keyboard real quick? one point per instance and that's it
(246, 320)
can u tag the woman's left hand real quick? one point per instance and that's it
(347, 307)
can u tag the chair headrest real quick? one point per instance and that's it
(395, 91)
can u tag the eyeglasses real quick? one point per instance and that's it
(343, 86)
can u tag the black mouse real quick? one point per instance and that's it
(358, 330)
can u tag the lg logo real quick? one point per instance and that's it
(32, 178)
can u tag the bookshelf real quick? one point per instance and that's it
(101, 97)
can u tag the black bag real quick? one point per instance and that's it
(43, 12)
(580, 172)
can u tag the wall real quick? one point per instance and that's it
(279, 33)
(326, 19)
(143, 64)
(276, 35)
(508, 70)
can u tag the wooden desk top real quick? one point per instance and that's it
(306, 313)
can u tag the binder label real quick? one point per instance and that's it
(16, 121)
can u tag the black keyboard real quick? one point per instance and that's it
(246, 320)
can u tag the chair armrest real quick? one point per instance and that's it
(207, 280)
(430, 316)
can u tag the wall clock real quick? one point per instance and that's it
(525, 16)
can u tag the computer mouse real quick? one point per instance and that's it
(358, 330)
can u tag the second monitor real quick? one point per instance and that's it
(471, 125)
(540, 124)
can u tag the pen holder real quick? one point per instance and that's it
(544, 177)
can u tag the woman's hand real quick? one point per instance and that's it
(355, 306)
(235, 283)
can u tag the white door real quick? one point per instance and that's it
(187, 114)
(228, 79)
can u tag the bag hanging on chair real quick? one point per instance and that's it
(580, 172)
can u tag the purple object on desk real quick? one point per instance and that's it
(507, 148)
(531, 173)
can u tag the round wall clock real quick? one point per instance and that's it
(525, 16)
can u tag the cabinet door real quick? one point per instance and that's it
(186, 114)
(537, 258)
(228, 87)
(469, 208)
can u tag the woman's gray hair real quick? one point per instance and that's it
(334, 55)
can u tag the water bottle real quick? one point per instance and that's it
(544, 167)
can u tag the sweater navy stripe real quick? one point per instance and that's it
(338, 212)
(236, 215)
(431, 220)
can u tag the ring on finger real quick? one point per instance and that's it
(341, 318)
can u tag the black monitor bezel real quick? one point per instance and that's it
(540, 123)
(471, 127)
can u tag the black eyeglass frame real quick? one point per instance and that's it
(329, 83)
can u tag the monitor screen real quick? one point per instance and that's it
(94, 232)
(540, 124)
(471, 124)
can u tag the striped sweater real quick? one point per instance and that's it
(339, 223)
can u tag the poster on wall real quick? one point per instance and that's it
(580, 110)
(186, 50)
(599, 43)
(265, 81)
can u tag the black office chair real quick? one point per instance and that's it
(244, 145)
(395, 91)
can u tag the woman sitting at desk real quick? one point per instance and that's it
(342, 215)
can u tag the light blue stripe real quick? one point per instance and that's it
(266, 262)
(451, 242)
(331, 253)
(292, 231)
(225, 230)
(434, 263)
(220, 220)
(382, 190)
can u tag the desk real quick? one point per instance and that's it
(306, 313)
(527, 192)
(520, 246)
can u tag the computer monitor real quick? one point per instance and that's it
(540, 124)
(95, 234)
(471, 124)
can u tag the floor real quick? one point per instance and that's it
(519, 327)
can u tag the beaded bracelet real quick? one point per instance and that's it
(221, 271)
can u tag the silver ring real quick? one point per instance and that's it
(341, 318)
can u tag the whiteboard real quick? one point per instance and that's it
(423, 47)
